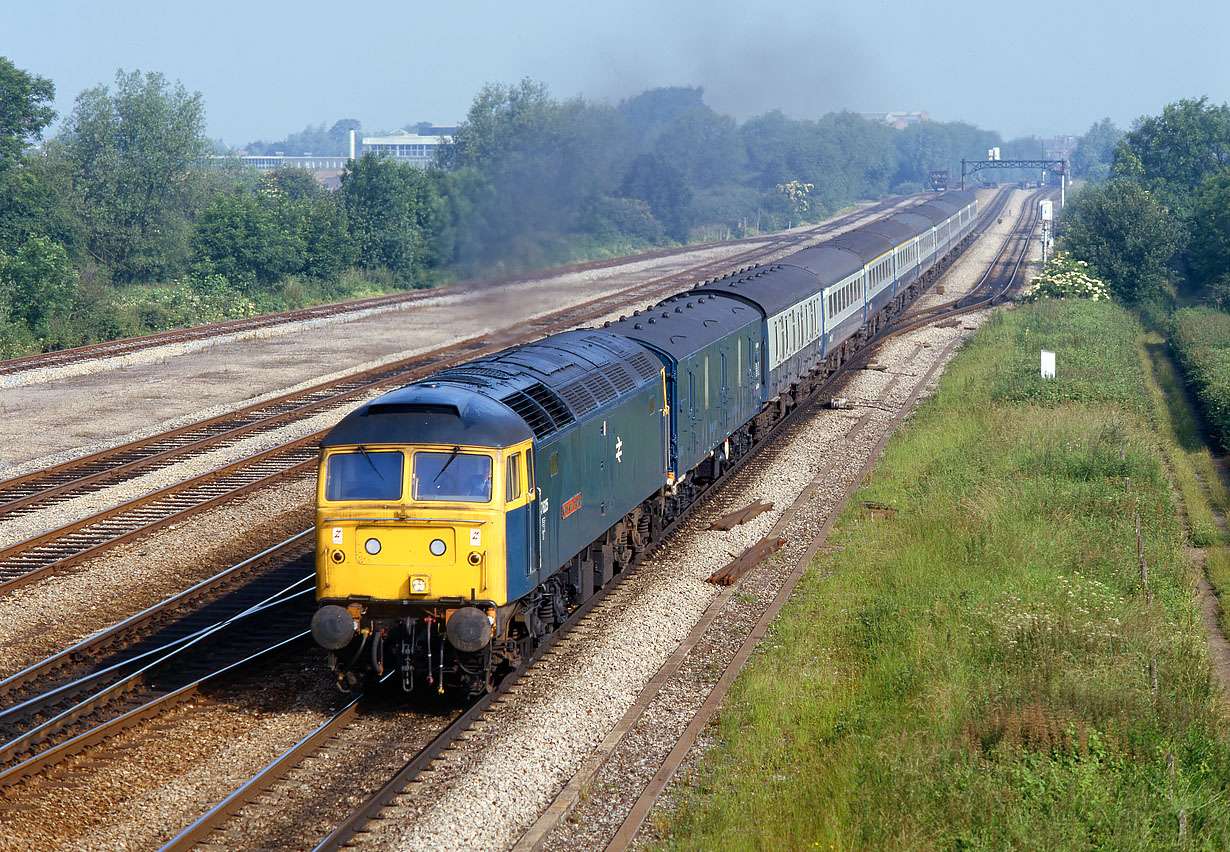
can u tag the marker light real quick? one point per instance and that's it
(438, 547)
(372, 546)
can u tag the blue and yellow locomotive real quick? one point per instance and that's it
(461, 517)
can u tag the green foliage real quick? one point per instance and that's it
(393, 209)
(1174, 152)
(1126, 236)
(974, 672)
(704, 146)
(242, 237)
(1095, 151)
(1208, 251)
(1064, 277)
(24, 110)
(931, 145)
(538, 163)
(648, 114)
(137, 155)
(614, 218)
(39, 197)
(312, 140)
(286, 226)
(1201, 341)
(37, 285)
(653, 179)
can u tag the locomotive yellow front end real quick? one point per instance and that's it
(421, 501)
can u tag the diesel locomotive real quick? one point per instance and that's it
(460, 518)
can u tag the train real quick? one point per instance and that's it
(461, 518)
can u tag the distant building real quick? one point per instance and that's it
(265, 162)
(418, 150)
(897, 120)
(407, 147)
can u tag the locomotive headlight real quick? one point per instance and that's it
(418, 585)
(372, 546)
(438, 547)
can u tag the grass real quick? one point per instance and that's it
(1201, 339)
(983, 670)
(1201, 489)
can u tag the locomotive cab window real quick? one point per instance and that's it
(451, 476)
(364, 475)
(512, 479)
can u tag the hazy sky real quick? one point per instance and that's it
(266, 70)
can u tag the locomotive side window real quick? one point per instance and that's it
(364, 476)
(554, 463)
(512, 479)
(455, 476)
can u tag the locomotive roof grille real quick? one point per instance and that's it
(620, 378)
(543, 411)
(602, 388)
(578, 398)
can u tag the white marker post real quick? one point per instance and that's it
(1048, 364)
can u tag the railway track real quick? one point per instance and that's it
(46, 729)
(55, 550)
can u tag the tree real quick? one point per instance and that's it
(1175, 151)
(242, 237)
(24, 110)
(704, 146)
(1128, 238)
(138, 155)
(393, 211)
(931, 145)
(37, 284)
(313, 139)
(1208, 251)
(652, 111)
(655, 181)
(1095, 151)
(539, 163)
(39, 197)
(292, 182)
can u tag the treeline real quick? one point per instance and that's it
(126, 222)
(1157, 227)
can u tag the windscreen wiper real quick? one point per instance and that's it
(372, 463)
(456, 450)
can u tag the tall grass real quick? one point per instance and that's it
(1201, 487)
(1201, 339)
(984, 670)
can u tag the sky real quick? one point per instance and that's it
(267, 70)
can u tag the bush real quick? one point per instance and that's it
(1065, 277)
